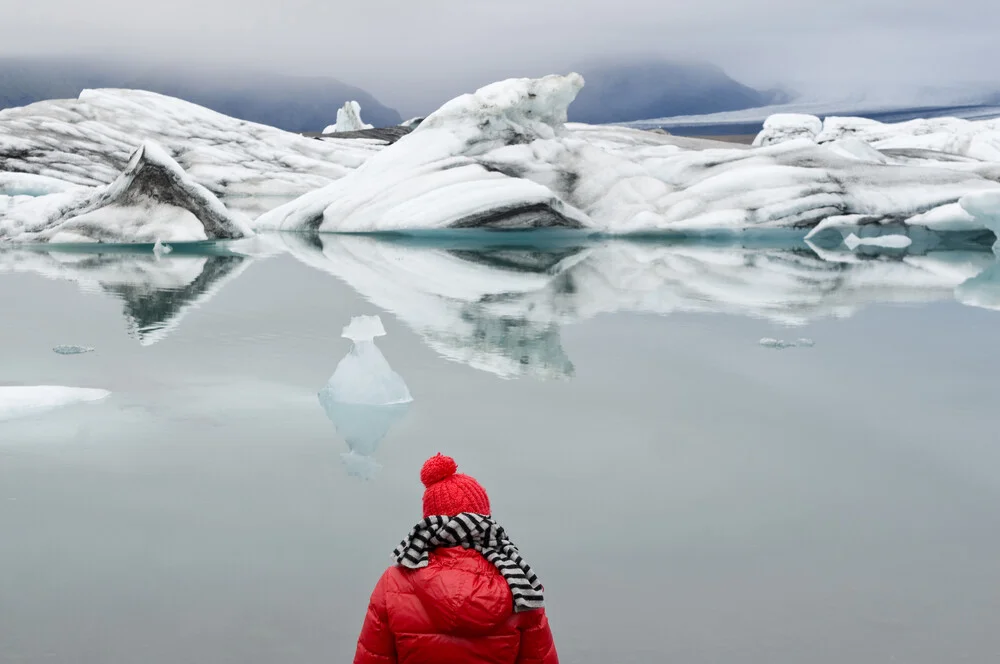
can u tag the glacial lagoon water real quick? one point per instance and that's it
(685, 493)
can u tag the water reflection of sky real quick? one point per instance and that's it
(730, 502)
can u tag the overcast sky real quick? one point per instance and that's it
(413, 54)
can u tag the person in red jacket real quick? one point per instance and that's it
(459, 593)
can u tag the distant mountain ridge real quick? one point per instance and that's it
(296, 104)
(626, 91)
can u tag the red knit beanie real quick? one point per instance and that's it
(449, 493)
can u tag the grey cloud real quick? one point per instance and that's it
(415, 54)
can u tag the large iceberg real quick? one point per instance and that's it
(504, 157)
(152, 200)
(87, 141)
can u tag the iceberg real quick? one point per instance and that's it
(26, 401)
(364, 377)
(348, 119)
(941, 139)
(87, 141)
(364, 398)
(504, 158)
(152, 200)
(501, 158)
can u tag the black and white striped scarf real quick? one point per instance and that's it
(473, 531)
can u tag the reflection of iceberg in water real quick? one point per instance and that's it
(982, 290)
(469, 303)
(363, 427)
(500, 307)
(156, 291)
(364, 398)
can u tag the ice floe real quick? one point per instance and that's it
(781, 344)
(26, 401)
(70, 349)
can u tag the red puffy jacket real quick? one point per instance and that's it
(457, 610)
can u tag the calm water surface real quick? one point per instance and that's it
(685, 494)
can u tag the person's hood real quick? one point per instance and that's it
(463, 592)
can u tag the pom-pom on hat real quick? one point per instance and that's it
(449, 492)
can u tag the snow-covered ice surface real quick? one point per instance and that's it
(348, 119)
(30, 400)
(364, 377)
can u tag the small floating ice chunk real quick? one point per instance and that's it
(777, 344)
(781, 344)
(72, 350)
(160, 250)
(852, 241)
(22, 401)
(364, 376)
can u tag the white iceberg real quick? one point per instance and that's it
(364, 377)
(87, 141)
(934, 139)
(348, 119)
(505, 158)
(26, 401)
(152, 200)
